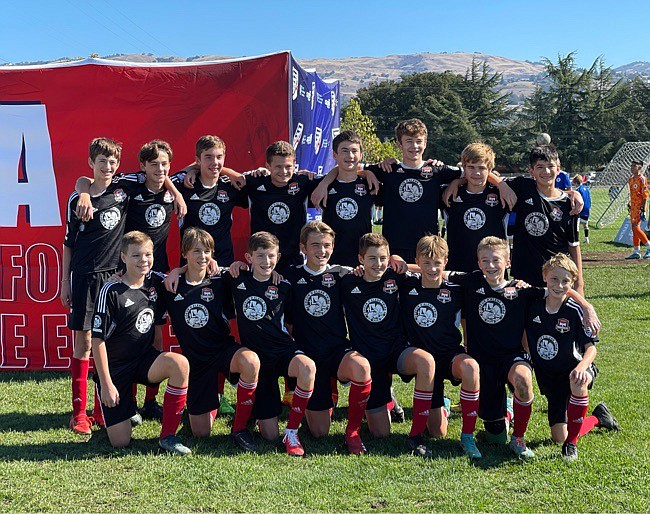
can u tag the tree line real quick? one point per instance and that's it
(589, 113)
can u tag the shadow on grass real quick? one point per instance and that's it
(622, 296)
(33, 376)
(23, 422)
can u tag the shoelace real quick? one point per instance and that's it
(292, 436)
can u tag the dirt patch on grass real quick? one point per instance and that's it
(608, 258)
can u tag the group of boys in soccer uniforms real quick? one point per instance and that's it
(298, 296)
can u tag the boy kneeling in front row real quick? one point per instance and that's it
(122, 341)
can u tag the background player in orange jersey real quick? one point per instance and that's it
(638, 198)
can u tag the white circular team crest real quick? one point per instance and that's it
(97, 321)
(411, 190)
(209, 214)
(474, 218)
(254, 308)
(279, 213)
(144, 321)
(375, 310)
(347, 208)
(425, 314)
(110, 218)
(196, 315)
(155, 215)
(547, 347)
(317, 303)
(491, 310)
(536, 224)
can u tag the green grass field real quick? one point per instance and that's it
(44, 467)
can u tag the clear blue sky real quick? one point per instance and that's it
(46, 30)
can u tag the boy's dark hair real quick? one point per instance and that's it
(413, 127)
(543, 153)
(149, 151)
(135, 237)
(194, 236)
(104, 146)
(281, 149)
(347, 135)
(315, 227)
(208, 143)
(262, 240)
(372, 240)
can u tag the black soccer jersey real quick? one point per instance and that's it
(470, 218)
(282, 211)
(431, 316)
(150, 213)
(316, 310)
(411, 201)
(96, 243)
(495, 317)
(557, 341)
(543, 228)
(349, 213)
(125, 318)
(372, 313)
(210, 209)
(260, 313)
(199, 315)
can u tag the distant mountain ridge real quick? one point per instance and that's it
(519, 78)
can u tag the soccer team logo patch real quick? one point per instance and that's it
(491, 310)
(144, 321)
(196, 316)
(492, 200)
(271, 292)
(536, 224)
(209, 214)
(444, 296)
(110, 218)
(375, 310)
(390, 286)
(562, 325)
(97, 321)
(346, 208)
(317, 303)
(168, 197)
(547, 347)
(426, 172)
(294, 188)
(360, 189)
(207, 295)
(222, 196)
(153, 295)
(120, 195)
(425, 314)
(474, 218)
(411, 190)
(556, 214)
(328, 280)
(254, 308)
(279, 213)
(510, 293)
(155, 215)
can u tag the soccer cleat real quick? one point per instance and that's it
(287, 398)
(586, 240)
(418, 447)
(354, 443)
(292, 443)
(646, 255)
(136, 420)
(447, 406)
(518, 446)
(569, 452)
(468, 444)
(605, 418)
(172, 444)
(151, 410)
(634, 255)
(225, 408)
(396, 413)
(81, 424)
(244, 440)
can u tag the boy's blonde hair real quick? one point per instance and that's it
(104, 146)
(577, 180)
(281, 149)
(262, 240)
(432, 247)
(478, 152)
(149, 151)
(315, 227)
(413, 127)
(562, 261)
(194, 236)
(208, 143)
(135, 237)
(494, 243)
(372, 240)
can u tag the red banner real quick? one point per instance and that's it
(49, 114)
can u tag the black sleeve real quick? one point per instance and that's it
(459, 277)
(379, 173)
(449, 173)
(72, 222)
(105, 310)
